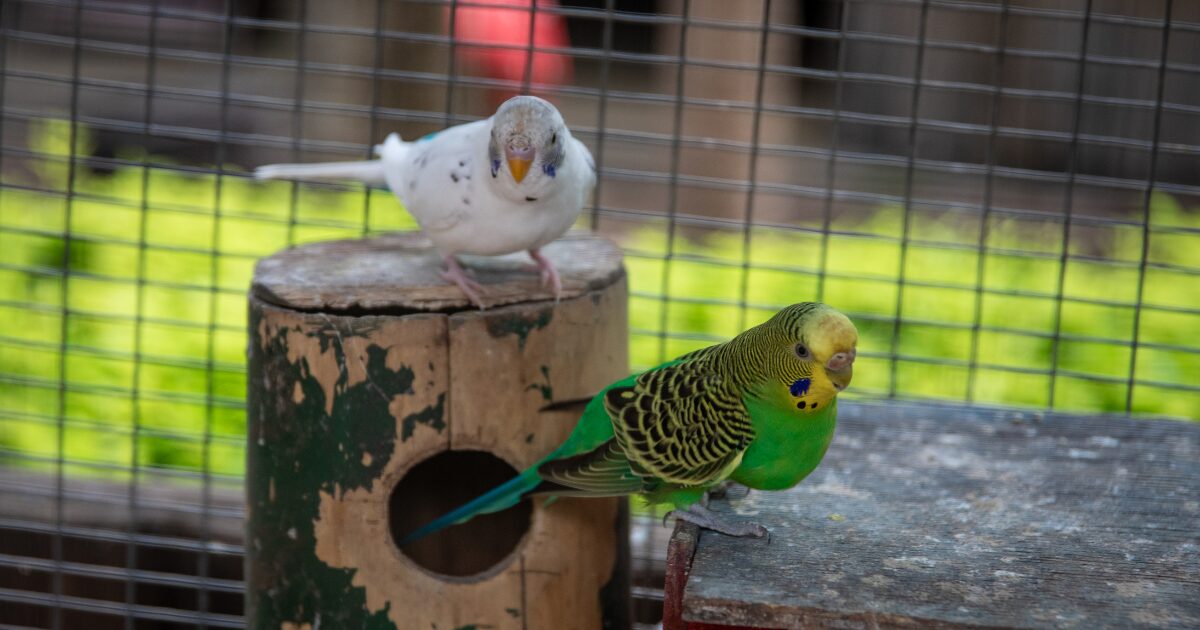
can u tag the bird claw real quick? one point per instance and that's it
(701, 516)
(550, 277)
(461, 277)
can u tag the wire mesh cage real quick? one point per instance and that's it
(1003, 195)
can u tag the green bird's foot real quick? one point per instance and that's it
(725, 490)
(701, 516)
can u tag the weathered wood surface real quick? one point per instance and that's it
(346, 401)
(941, 516)
(399, 272)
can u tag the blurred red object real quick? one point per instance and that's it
(493, 41)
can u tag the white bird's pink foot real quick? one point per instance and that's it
(455, 273)
(550, 278)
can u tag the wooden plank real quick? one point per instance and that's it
(943, 516)
(506, 365)
(679, 564)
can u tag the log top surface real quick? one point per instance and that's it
(400, 272)
(954, 516)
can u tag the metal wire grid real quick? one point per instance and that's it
(200, 489)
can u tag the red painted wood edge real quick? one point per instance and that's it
(679, 564)
(700, 625)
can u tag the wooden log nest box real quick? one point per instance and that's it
(379, 399)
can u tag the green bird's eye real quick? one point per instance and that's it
(802, 351)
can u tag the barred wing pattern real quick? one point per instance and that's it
(603, 471)
(680, 424)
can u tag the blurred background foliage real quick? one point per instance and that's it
(159, 260)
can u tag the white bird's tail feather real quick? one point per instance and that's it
(392, 150)
(370, 172)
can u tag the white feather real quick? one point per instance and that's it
(370, 172)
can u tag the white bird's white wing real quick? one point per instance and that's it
(437, 177)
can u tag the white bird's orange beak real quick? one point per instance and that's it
(519, 160)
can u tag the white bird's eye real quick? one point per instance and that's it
(802, 351)
(554, 137)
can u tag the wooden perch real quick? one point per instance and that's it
(399, 272)
(380, 399)
(945, 516)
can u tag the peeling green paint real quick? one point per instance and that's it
(513, 611)
(519, 325)
(433, 416)
(307, 452)
(545, 388)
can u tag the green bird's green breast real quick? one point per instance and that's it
(787, 445)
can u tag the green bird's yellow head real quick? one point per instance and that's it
(804, 354)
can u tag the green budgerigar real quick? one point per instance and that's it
(759, 410)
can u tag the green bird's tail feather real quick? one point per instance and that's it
(501, 497)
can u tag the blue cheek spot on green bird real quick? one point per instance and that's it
(800, 387)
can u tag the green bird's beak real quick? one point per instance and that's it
(840, 368)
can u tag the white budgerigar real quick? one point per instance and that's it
(512, 182)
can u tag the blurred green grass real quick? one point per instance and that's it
(1015, 347)
(184, 378)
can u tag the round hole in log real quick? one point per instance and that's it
(446, 481)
